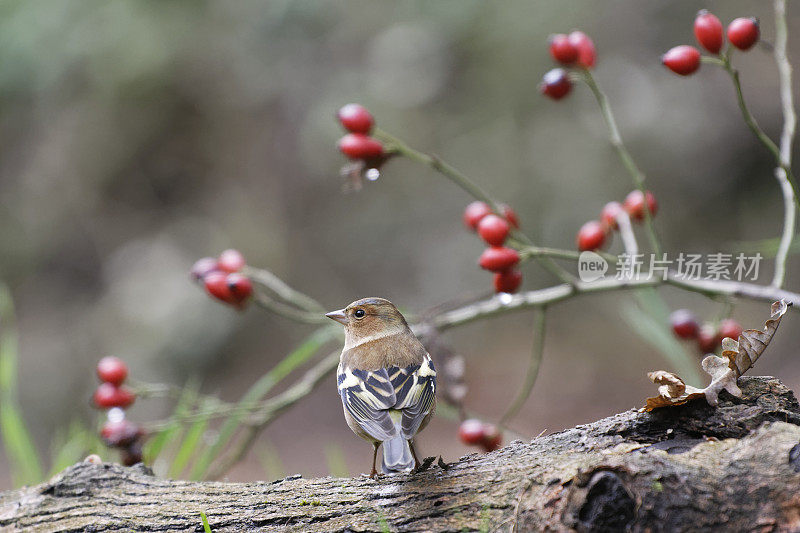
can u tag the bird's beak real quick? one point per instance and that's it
(338, 316)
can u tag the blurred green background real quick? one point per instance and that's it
(139, 136)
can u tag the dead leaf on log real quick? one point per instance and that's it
(426, 464)
(737, 358)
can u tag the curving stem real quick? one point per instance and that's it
(627, 160)
(787, 137)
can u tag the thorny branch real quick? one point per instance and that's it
(550, 295)
(787, 137)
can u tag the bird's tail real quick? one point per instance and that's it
(397, 455)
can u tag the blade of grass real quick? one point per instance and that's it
(204, 518)
(260, 389)
(70, 446)
(189, 444)
(651, 300)
(25, 466)
(24, 460)
(650, 321)
(172, 433)
(533, 367)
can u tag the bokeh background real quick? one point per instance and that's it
(139, 136)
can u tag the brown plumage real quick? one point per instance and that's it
(386, 380)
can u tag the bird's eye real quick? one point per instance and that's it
(359, 313)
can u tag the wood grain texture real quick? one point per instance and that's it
(692, 467)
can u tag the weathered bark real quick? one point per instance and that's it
(693, 467)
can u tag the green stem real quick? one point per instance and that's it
(287, 311)
(538, 251)
(275, 408)
(533, 367)
(768, 143)
(259, 390)
(440, 166)
(24, 461)
(470, 188)
(622, 151)
(282, 290)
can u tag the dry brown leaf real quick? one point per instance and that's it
(670, 385)
(737, 358)
(752, 342)
(671, 390)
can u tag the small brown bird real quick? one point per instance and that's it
(386, 380)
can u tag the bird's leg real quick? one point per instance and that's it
(374, 473)
(413, 453)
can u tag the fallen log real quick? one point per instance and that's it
(735, 467)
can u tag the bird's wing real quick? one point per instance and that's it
(415, 389)
(368, 395)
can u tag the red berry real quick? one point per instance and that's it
(493, 229)
(708, 31)
(360, 146)
(743, 32)
(510, 215)
(562, 49)
(231, 261)
(240, 287)
(216, 284)
(556, 84)
(684, 325)
(118, 434)
(498, 258)
(729, 328)
(491, 438)
(591, 236)
(507, 281)
(586, 51)
(474, 212)
(683, 59)
(203, 267)
(471, 432)
(609, 214)
(634, 204)
(355, 118)
(707, 339)
(112, 370)
(108, 395)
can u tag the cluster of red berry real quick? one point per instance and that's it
(594, 233)
(473, 432)
(358, 144)
(222, 277)
(743, 33)
(494, 230)
(573, 50)
(118, 432)
(708, 336)
(112, 371)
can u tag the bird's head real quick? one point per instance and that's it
(369, 318)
